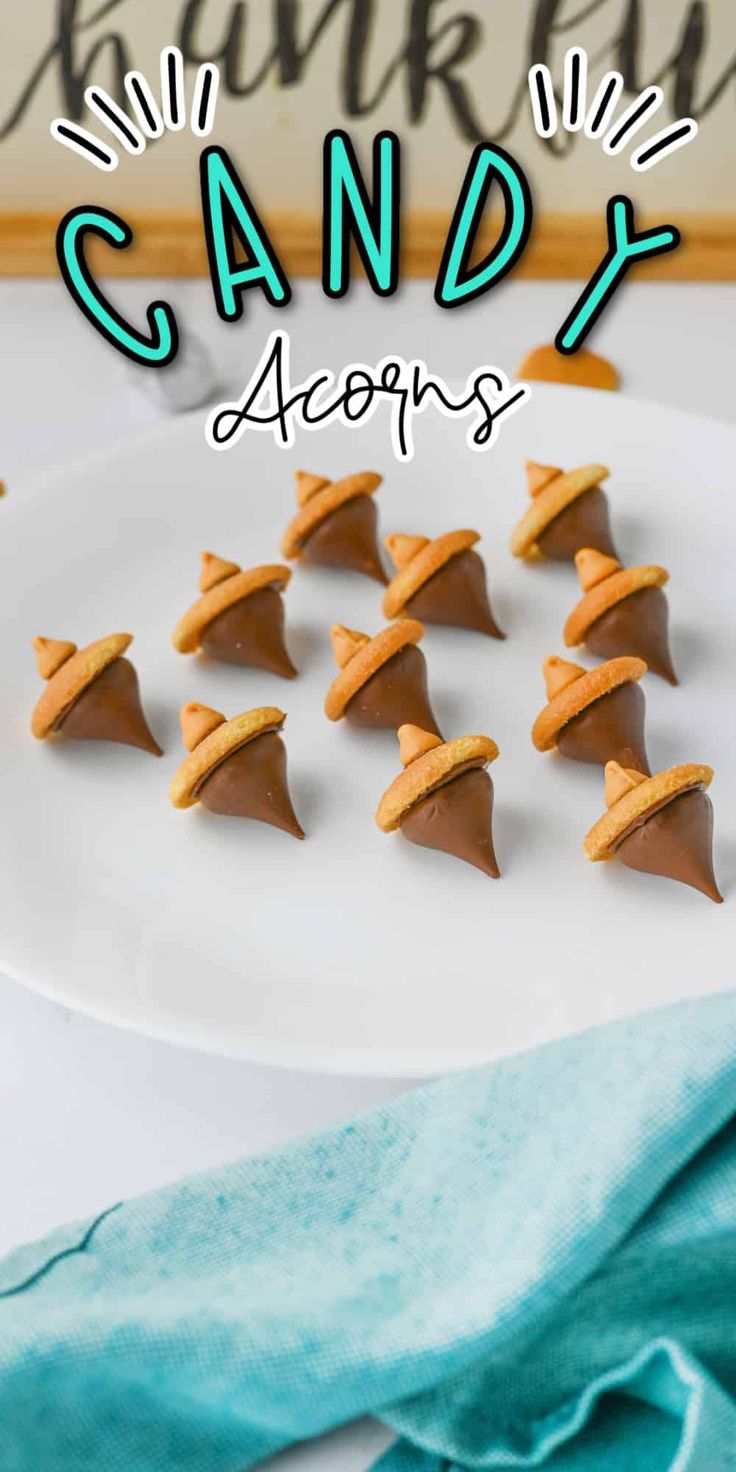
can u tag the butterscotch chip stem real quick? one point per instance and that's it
(51, 654)
(197, 721)
(413, 742)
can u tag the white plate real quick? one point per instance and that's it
(354, 950)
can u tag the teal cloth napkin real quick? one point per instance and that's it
(532, 1264)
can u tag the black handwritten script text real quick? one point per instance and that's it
(438, 40)
(271, 403)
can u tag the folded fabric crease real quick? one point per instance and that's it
(529, 1265)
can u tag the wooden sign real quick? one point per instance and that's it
(444, 74)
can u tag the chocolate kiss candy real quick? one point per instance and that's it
(236, 768)
(457, 595)
(568, 511)
(251, 783)
(676, 842)
(440, 582)
(659, 825)
(110, 710)
(594, 715)
(636, 625)
(337, 523)
(398, 691)
(92, 694)
(382, 681)
(584, 523)
(457, 819)
(623, 611)
(444, 797)
(240, 617)
(251, 632)
(348, 538)
(610, 729)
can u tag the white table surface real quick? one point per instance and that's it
(90, 1114)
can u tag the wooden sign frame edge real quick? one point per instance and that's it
(562, 246)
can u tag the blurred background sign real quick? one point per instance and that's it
(442, 73)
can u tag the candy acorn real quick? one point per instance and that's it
(659, 825)
(594, 715)
(91, 694)
(444, 797)
(383, 680)
(441, 582)
(569, 510)
(623, 611)
(336, 524)
(237, 767)
(240, 617)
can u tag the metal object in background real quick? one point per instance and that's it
(189, 382)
